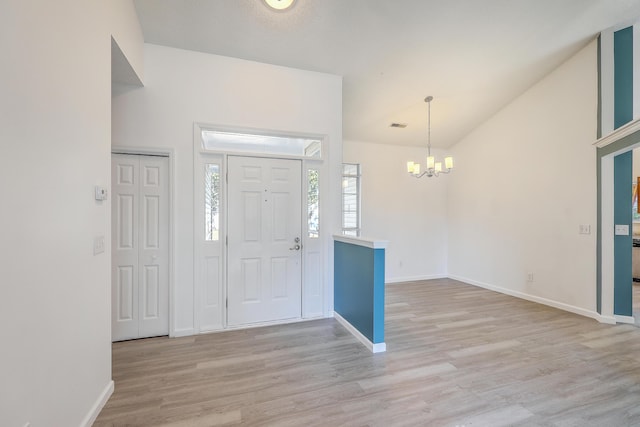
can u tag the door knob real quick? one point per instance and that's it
(295, 247)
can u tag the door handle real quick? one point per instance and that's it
(295, 248)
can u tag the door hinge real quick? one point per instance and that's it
(226, 240)
(226, 303)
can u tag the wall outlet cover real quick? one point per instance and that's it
(621, 229)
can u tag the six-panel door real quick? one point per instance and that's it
(264, 248)
(140, 246)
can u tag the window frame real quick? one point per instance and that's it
(352, 231)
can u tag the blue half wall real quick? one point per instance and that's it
(359, 288)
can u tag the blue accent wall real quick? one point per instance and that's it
(616, 68)
(622, 214)
(359, 288)
(623, 76)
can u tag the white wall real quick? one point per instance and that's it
(127, 33)
(410, 213)
(55, 362)
(183, 87)
(524, 182)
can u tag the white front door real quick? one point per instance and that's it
(264, 231)
(140, 246)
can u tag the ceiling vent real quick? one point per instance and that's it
(398, 125)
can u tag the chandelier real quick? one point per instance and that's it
(433, 168)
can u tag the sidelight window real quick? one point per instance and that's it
(212, 201)
(351, 199)
(313, 198)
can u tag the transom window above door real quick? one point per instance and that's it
(301, 147)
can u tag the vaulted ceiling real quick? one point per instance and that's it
(472, 56)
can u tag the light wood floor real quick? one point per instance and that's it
(457, 356)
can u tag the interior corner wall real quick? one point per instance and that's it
(183, 87)
(126, 31)
(55, 139)
(524, 183)
(410, 213)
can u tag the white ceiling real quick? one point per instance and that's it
(473, 56)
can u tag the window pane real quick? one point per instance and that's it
(351, 199)
(350, 169)
(313, 204)
(212, 201)
(270, 144)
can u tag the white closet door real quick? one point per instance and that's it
(264, 249)
(140, 246)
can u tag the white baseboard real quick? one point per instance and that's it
(97, 407)
(374, 348)
(534, 298)
(609, 320)
(624, 319)
(177, 333)
(391, 280)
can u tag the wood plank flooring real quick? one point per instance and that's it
(457, 356)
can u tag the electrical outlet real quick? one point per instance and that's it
(529, 277)
(585, 229)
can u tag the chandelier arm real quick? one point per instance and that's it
(428, 173)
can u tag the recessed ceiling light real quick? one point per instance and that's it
(279, 4)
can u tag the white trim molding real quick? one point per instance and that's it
(177, 333)
(374, 348)
(98, 405)
(361, 241)
(622, 132)
(540, 300)
(624, 319)
(609, 320)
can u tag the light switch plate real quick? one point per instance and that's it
(622, 230)
(585, 229)
(101, 193)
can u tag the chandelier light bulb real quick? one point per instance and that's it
(448, 162)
